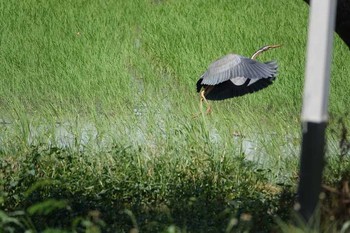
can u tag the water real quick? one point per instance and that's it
(257, 147)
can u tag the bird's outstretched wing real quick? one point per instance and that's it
(227, 89)
(237, 69)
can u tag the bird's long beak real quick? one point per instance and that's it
(275, 46)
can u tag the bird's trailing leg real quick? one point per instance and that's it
(206, 101)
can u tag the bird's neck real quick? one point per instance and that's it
(256, 53)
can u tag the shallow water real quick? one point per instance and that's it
(66, 134)
(257, 147)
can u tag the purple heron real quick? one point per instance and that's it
(235, 75)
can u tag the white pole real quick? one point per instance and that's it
(319, 53)
(314, 113)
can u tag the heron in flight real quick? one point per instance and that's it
(235, 75)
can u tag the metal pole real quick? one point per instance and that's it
(314, 113)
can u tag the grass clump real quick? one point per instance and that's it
(201, 194)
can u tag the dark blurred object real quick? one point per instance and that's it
(342, 24)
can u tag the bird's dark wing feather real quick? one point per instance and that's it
(227, 89)
(199, 84)
(236, 68)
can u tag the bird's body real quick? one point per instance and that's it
(235, 75)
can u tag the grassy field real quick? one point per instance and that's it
(97, 126)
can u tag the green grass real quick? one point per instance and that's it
(100, 99)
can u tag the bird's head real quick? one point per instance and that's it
(263, 49)
(267, 47)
